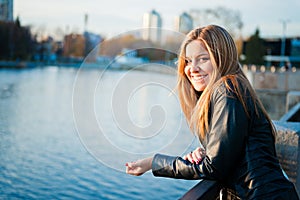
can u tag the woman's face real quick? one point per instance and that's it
(198, 67)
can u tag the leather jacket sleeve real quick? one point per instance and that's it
(224, 143)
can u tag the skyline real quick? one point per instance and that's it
(110, 18)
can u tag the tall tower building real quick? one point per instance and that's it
(152, 24)
(6, 10)
(184, 23)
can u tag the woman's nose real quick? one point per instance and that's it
(194, 67)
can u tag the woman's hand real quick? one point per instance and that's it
(139, 167)
(195, 156)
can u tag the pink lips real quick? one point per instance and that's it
(198, 77)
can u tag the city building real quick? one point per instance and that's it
(184, 23)
(92, 42)
(295, 47)
(152, 23)
(74, 46)
(6, 10)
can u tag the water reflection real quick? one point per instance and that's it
(42, 156)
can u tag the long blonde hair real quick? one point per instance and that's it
(226, 68)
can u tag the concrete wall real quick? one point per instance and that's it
(278, 90)
(288, 149)
(273, 78)
(274, 102)
(278, 80)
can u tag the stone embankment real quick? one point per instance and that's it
(278, 88)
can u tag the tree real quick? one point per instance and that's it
(15, 41)
(22, 41)
(225, 17)
(144, 48)
(255, 50)
(113, 47)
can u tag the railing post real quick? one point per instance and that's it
(204, 190)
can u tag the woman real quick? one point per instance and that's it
(222, 108)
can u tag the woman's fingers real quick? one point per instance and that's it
(199, 154)
(132, 169)
(128, 168)
(190, 157)
(195, 156)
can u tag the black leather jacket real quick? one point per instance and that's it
(240, 152)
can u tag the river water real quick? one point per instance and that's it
(67, 133)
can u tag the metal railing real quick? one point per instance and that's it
(204, 190)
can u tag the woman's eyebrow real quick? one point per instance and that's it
(201, 54)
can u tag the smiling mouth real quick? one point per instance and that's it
(198, 78)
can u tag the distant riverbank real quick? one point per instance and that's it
(152, 67)
(29, 64)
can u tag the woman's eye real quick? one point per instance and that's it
(197, 60)
(203, 59)
(187, 61)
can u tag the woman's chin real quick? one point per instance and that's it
(199, 88)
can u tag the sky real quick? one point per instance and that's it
(112, 17)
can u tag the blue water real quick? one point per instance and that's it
(51, 148)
